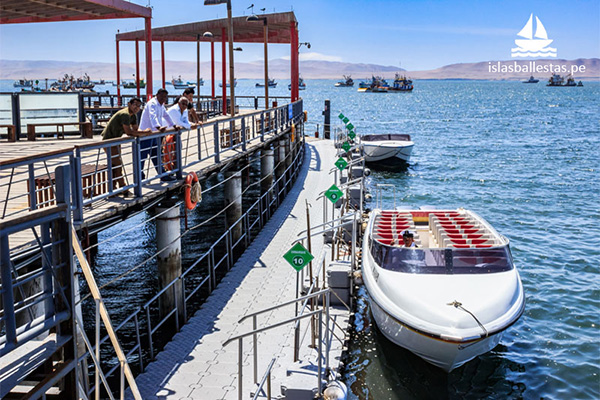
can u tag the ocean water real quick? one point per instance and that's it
(526, 157)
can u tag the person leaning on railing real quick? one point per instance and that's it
(122, 122)
(179, 113)
(153, 119)
(193, 115)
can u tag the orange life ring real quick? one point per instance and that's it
(168, 152)
(190, 180)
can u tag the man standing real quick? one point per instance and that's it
(179, 113)
(153, 118)
(122, 122)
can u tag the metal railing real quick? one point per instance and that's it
(143, 319)
(113, 167)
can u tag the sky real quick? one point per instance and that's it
(412, 34)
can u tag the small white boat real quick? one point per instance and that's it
(234, 84)
(389, 150)
(181, 84)
(451, 298)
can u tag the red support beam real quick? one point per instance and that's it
(118, 76)
(137, 67)
(148, 23)
(162, 60)
(294, 60)
(212, 67)
(224, 69)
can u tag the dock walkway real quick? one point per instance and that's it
(194, 365)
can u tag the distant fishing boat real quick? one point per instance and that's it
(347, 82)
(301, 84)
(69, 84)
(133, 85)
(271, 83)
(531, 80)
(180, 84)
(377, 85)
(401, 84)
(580, 83)
(23, 83)
(234, 83)
(533, 45)
(557, 80)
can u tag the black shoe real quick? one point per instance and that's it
(168, 178)
(143, 176)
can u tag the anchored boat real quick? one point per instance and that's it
(402, 84)
(301, 84)
(376, 85)
(234, 84)
(531, 80)
(347, 82)
(449, 299)
(271, 83)
(23, 83)
(181, 84)
(391, 150)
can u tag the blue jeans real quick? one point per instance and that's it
(149, 147)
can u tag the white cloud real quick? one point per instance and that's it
(313, 56)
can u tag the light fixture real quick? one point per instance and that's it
(208, 34)
(307, 44)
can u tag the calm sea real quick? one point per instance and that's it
(523, 156)
(526, 157)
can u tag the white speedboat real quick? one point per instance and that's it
(451, 298)
(387, 149)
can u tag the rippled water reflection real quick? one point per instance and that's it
(526, 158)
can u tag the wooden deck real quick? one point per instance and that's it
(103, 209)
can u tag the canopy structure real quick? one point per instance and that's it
(31, 11)
(282, 28)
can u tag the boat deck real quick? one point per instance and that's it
(435, 229)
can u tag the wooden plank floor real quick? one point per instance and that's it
(193, 147)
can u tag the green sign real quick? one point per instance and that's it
(298, 256)
(350, 127)
(341, 163)
(345, 120)
(352, 135)
(346, 146)
(333, 194)
(341, 116)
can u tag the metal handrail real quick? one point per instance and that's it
(287, 303)
(266, 376)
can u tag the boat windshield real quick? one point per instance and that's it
(380, 137)
(442, 261)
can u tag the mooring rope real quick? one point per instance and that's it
(458, 304)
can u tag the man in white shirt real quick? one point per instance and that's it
(152, 121)
(179, 113)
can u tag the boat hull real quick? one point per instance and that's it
(388, 153)
(443, 354)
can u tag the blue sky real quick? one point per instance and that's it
(416, 34)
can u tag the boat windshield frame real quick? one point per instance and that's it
(385, 137)
(448, 261)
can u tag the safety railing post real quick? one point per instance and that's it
(97, 332)
(328, 333)
(150, 343)
(109, 171)
(137, 167)
(254, 345)
(243, 127)
(10, 325)
(122, 381)
(240, 355)
(179, 158)
(78, 188)
(139, 341)
(262, 126)
(211, 259)
(216, 142)
(320, 352)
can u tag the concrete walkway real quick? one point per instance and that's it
(194, 365)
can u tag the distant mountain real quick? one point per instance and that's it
(279, 69)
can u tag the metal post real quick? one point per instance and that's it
(118, 77)
(233, 202)
(137, 67)
(327, 121)
(240, 360)
(231, 63)
(255, 344)
(148, 28)
(198, 71)
(97, 331)
(169, 259)
(327, 332)
(266, 34)
(212, 68)
(216, 142)
(162, 62)
(10, 324)
(320, 374)
(224, 71)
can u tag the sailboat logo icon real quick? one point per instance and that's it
(534, 45)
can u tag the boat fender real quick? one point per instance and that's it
(193, 191)
(305, 116)
(293, 135)
(335, 390)
(367, 172)
(168, 150)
